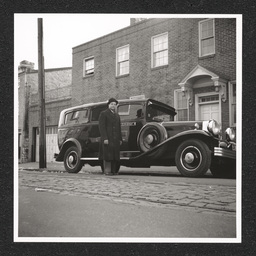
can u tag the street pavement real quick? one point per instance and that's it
(186, 197)
(200, 197)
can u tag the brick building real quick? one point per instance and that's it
(187, 63)
(57, 97)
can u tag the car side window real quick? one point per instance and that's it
(77, 117)
(157, 114)
(130, 111)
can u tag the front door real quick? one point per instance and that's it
(209, 107)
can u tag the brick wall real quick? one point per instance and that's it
(158, 83)
(54, 79)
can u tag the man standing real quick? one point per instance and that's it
(111, 138)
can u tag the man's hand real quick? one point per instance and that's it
(106, 142)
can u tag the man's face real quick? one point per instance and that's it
(112, 106)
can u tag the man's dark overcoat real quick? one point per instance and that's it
(110, 129)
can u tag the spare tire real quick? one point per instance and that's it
(150, 136)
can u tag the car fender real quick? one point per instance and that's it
(68, 143)
(176, 139)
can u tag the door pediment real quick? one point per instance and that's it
(200, 72)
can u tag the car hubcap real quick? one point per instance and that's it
(149, 139)
(191, 158)
(72, 160)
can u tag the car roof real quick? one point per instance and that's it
(119, 101)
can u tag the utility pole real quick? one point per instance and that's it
(41, 94)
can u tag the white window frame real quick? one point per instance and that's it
(231, 103)
(197, 104)
(200, 38)
(118, 62)
(152, 50)
(91, 71)
(176, 104)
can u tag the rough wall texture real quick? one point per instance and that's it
(57, 97)
(158, 83)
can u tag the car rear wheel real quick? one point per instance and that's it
(193, 158)
(150, 136)
(72, 161)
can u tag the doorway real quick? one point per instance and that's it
(208, 107)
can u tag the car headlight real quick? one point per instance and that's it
(213, 127)
(230, 134)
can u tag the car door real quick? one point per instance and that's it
(132, 119)
(94, 132)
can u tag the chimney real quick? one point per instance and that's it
(26, 66)
(136, 20)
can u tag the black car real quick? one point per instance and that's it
(151, 137)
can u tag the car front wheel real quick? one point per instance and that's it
(72, 161)
(193, 158)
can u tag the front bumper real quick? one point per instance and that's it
(223, 152)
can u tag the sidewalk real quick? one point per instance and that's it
(59, 167)
(53, 166)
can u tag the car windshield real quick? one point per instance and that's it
(159, 113)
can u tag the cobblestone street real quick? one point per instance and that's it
(218, 199)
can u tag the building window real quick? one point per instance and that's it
(122, 60)
(206, 37)
(159, 46)
(232, 104)
(88, 66)
(181, 106)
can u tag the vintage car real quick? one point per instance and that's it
(151, 137)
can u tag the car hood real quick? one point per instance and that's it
(175, 127)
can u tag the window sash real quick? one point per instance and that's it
(123, 55)
(207, 46)
(160, 50)
(233, 114)
(181, 105)
(160, 43)
(232, 99)
(206, 29)
(123, 68)
(182, 115)
(160, 58)
(207, 37)
(88, 66)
